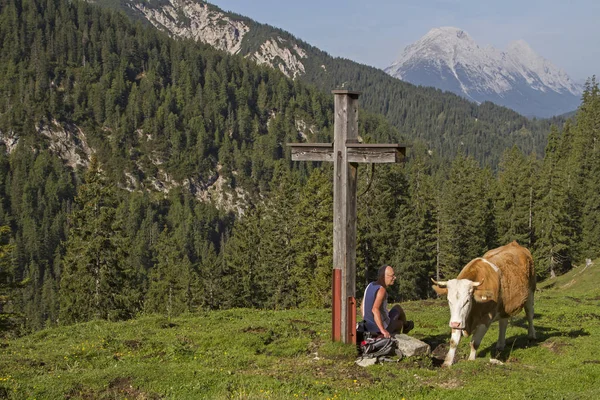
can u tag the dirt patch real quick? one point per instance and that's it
(440, 351)
(252, 329)
(300, 321)
(554, 346)
(591, 362)
(80, 392)
(118, 388)
(123, 388)
(575, 299)
(158, 354)
(590, 316)
(309, 332)
(31, 363)
(452, 383)
(133, 344)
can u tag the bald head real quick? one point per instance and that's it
(386, 276)
(381, 271)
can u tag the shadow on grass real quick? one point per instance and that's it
(523, 342)
(440, 343)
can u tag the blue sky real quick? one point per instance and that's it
(375, 32)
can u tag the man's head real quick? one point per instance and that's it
(386, 276)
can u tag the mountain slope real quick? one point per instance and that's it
(449, 59)
(447, 123)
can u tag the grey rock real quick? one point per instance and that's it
(366, 361)
(409, 346)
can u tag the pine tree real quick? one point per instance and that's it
(422, 209)
(313, 242)
(243, 280)
(278, 254)
(93, 277)
(464, 216)
(554, 235)
(588, 149)
(171, 279)
(9, 282)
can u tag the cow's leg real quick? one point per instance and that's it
(476, 340)
(454, 341)
(529, 314)
(502, 325)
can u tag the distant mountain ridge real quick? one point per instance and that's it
(446, 122)
(518, 78)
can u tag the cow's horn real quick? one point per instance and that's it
(475, 284)
(440, 283)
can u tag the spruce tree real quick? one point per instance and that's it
(464, 216)
(171, 279)
(93, 274)
(9, 283)
(588, 133)
(313, 243)
(554, 234)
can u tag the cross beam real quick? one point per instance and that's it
(346, 153)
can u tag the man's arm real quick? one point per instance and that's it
(379, 298)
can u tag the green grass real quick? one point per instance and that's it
(250, 354)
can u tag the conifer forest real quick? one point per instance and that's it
(114, 134)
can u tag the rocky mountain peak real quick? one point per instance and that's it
(518, 78)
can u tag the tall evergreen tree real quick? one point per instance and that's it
(313, 242)
(9, 282)
(554, 235)
(93, 275)
(171, 279)
(588, 149)
(464, 216)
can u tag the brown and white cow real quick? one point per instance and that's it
(493, 287)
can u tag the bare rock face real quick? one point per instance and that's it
(271, 50)
(191, 20)
(67, 141)
(10, 141)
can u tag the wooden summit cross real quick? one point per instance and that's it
(345, 152)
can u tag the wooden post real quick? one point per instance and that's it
(345, 131)
(345, 152)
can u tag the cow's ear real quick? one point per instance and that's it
(440, 290)
(483, 296)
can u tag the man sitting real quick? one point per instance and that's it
(375, 308)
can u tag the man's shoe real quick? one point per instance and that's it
(408, 326)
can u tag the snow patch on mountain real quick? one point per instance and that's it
(450, 59)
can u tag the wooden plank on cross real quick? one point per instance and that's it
(346, 153)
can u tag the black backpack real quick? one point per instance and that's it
(377, 347)
(372, 344)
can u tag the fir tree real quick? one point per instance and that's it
(93, 276)
(171, 279)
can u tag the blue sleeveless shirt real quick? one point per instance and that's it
(368, 301)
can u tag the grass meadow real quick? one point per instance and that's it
(253, 354)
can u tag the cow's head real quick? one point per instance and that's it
(460, 299)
